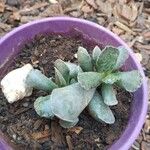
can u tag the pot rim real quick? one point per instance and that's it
(128, 142)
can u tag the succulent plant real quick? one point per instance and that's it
(89, 84)
(105, 74)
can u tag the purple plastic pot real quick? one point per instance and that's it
(11, 42)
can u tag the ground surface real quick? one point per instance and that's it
(128, 18)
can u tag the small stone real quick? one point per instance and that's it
(19, 138)
(14, 136)
(75, 55)
(25, 104)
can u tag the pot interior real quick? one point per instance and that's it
(11, 44)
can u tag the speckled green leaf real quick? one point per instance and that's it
(111, 78)
(42, 106)
(73, 69)
(68, 102)
(89, 80)
(63, 69)
(99, 110)
(84, 59)
(130, 80)
(109, 95)
(96, 53)
(123, 56)
(59, 79)
(107, 59)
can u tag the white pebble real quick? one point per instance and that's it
(14, 84)
(25, 104)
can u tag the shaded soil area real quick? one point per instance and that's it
(20, 122)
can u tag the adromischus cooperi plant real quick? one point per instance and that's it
(103, 74)
(89, 84)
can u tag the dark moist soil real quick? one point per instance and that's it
(24, 127)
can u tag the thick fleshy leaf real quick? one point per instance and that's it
(59, 79)
(73, 69)
(42, 106)
(66, 124)
(63, 69)
(99, 110)
(109, 95)
(111, 78)
(39, 81)
(96, 53)
(130, 80)
(68, 102)
(107, 59)
(123, 56)
(90, 80)
(84, 59)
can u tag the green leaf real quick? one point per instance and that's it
(96, 53)
(63, 69)
(68, 102)
(123, 56)
(73, 69)
(90, 80)
(130, 80)
(38, 80)
(59, 79)
(109, 95)
(42, 106)
(107, 59)
(111, 78)
(66, 124)
(84, 59)
(99, 110)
